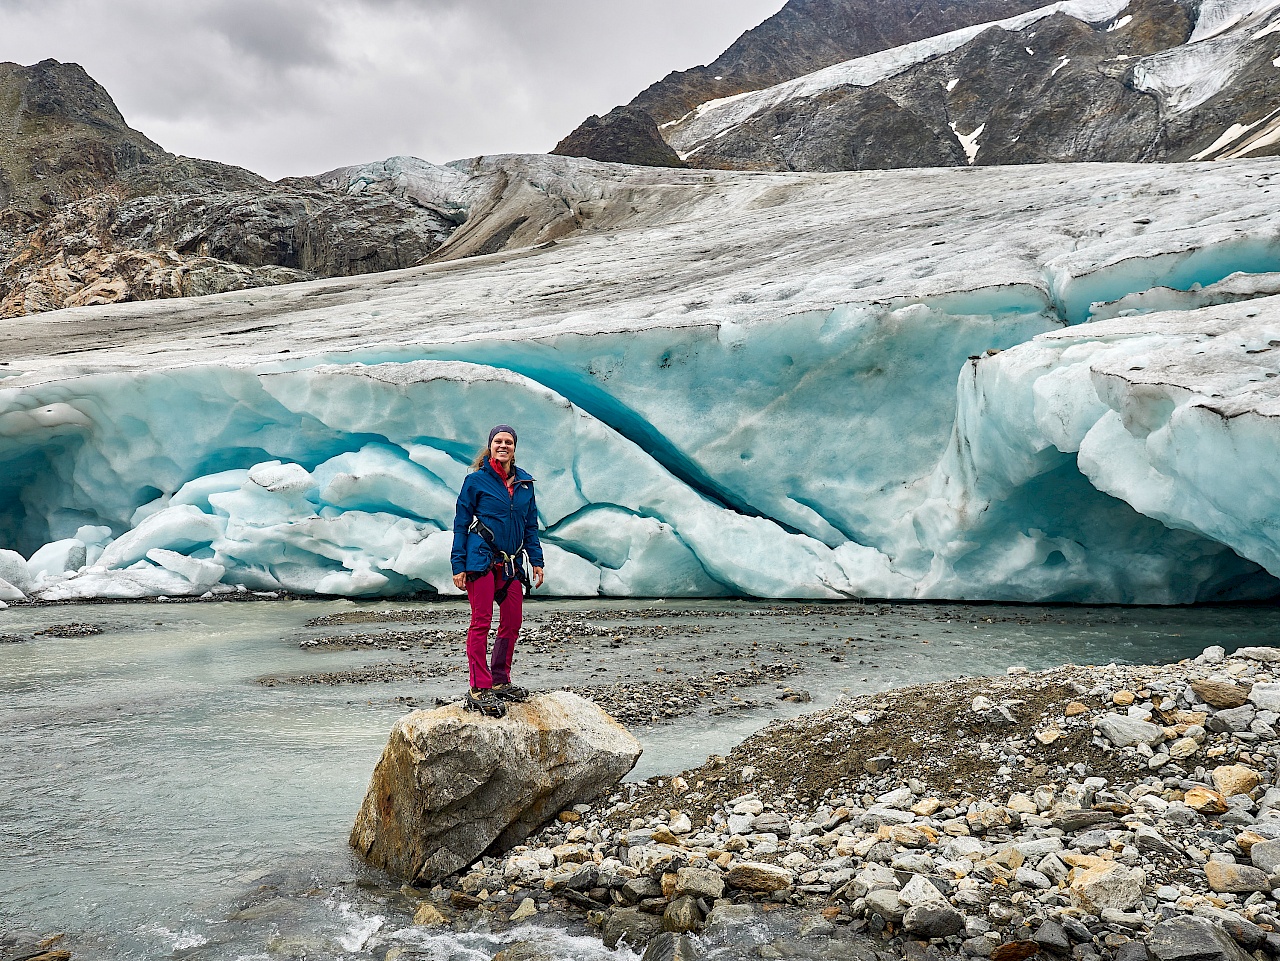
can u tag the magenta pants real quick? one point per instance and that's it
(486, 671)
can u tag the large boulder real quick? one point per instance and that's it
(452, 785)
(1193, 939)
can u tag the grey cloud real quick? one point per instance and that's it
(287, 87)
(270, 33)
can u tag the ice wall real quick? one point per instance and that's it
(889, 385)
(866, 472)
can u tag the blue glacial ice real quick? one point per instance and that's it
(738, 385)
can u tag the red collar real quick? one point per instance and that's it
(508, 480)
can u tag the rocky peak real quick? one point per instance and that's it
(63, 137)
(624, 135)
(92, 211)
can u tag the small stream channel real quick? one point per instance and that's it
(158, 800)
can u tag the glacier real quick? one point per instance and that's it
(1030, 384)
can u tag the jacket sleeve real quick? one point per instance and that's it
(462, 516)
(531, 542)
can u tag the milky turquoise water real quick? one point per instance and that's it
(151, 788)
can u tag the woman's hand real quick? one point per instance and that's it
(537, 577)
(460, 581)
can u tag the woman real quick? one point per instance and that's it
(495, 522)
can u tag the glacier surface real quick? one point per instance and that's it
(1039, 383)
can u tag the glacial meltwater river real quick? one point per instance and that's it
(159, 798)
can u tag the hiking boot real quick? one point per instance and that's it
(483, 701)
(510, 692)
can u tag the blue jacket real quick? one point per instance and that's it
(513, 520)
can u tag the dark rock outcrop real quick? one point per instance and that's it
(623, 135)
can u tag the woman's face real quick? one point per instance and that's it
(502, 448)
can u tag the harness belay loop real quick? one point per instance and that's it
(515, 567)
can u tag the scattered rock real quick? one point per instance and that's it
(527, 909)
(631, 926)
(669, 946)
(428, 915)
(1108, 885)
(1123, 731)
(1221, 694)
(1226, 877)
(1192, 939)
(758, 876)
(1205, 801)
(932, 920)
(1232, 779)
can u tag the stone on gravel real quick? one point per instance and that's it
(1204, 801)
(919, 890)
(758, 876)
(1221, 694)
(1107, 885)
(1266, 695)
(1232, 779)
(700, 883)
(1125, 731)
(528, 909)
(682, 915)
(1266, 856)
(1193, 939)
(451, 785)
(887, 904)
(1229, 878)
(428, 915)
(630, 925)
(933, 919)
(725, 918)
(1268, 655)
(1052, 937)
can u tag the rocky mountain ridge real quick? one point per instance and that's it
(94, 212)
(1080, 80)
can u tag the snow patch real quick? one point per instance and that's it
(951, 84)
(1120, 24)
(969, 141)
(1266, 137)
(1061, 63)
(1229, 136)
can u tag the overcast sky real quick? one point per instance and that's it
(288, 87)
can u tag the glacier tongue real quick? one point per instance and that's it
(779, 386)
(1019, 504)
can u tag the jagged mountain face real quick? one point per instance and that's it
(1075, 81)
(93, 212)
(807, 35)
(1151, 80)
